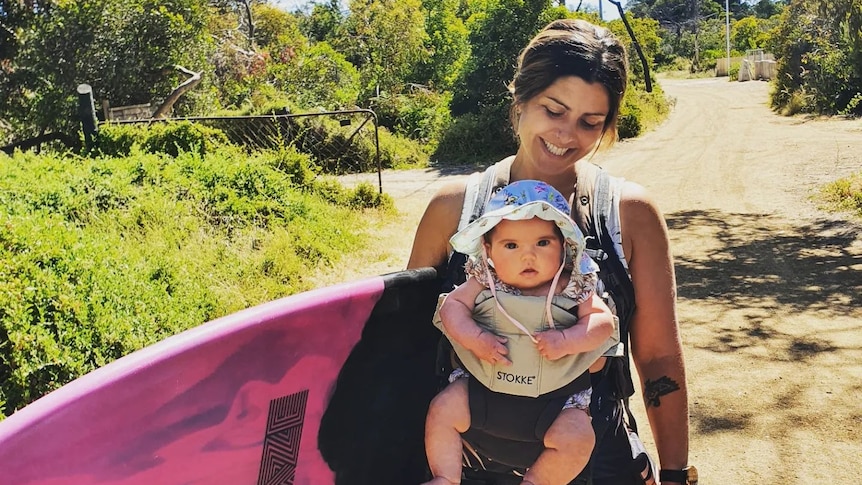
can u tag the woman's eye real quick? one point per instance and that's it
(553, 114)
(590, 126)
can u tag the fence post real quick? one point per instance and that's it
(87, 113)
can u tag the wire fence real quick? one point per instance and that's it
(339, 142)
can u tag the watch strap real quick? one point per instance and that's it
(678, 476)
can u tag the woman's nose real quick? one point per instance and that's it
(565, 132)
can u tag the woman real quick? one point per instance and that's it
(567, 90)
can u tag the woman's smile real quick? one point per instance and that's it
(555, 150)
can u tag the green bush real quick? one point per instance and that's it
(298, 167)
(158, 137)
(476, 139)
(398, 152)
(733, 71)
(362, 196)
(103, 256)
(845, 194)
(818, 59)
(629, 124)
(422, 115)
(642, 111)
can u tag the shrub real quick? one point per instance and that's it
(397, 152)
(641, 111)
(158, 137)
(629, 124)
(422, 115)
(845, 194)
(476, 139)
(818, 60)
(102, 256)
(298, 167)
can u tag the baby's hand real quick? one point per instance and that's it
(488, 347)
(552, 344)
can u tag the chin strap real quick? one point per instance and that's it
(548, 301)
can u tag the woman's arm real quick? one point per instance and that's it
(656, 347)
(438, 224)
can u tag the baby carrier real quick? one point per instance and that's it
(506, 435)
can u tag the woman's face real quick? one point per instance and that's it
(562, 124)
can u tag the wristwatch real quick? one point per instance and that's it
(686, 476)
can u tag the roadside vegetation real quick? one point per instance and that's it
(844, 195)
(149, 230)
(101, 256)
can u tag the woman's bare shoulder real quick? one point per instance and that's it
(642, 222)
(438, 224)
(636, 204)
(450, 194)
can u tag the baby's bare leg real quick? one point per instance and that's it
(568, 445)
(448, 417)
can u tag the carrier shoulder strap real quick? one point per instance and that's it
(591, 211)
(492, 179)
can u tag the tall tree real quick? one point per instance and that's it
(125, 49)
(446, 46)
(498, 32)
(384, 39)
(765, 9)
(324, 23)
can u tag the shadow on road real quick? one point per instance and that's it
(768, 299)
(763, 261)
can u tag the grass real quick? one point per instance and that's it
(103, 256)
(844, 195)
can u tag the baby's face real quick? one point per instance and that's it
(526, 253)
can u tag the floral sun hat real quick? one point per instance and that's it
(523, 200)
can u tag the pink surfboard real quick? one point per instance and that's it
(324, 387)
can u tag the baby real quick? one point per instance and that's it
(526, 323)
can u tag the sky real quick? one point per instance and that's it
(609, 10)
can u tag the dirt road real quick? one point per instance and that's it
(770, 288)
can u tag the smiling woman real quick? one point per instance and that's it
(567, 92)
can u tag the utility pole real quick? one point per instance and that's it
(727, 25)
(694, 6)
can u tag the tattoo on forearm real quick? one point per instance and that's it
(654, 390)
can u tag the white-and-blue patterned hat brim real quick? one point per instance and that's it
(470, 240)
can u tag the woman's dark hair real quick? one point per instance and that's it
(572, 47)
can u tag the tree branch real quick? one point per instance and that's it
(168, 103)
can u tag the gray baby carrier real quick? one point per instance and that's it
(506, 434)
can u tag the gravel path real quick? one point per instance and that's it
(770, 287)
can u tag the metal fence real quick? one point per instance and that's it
(340, 142)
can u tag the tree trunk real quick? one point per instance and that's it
(168, 103)
(636, 44)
